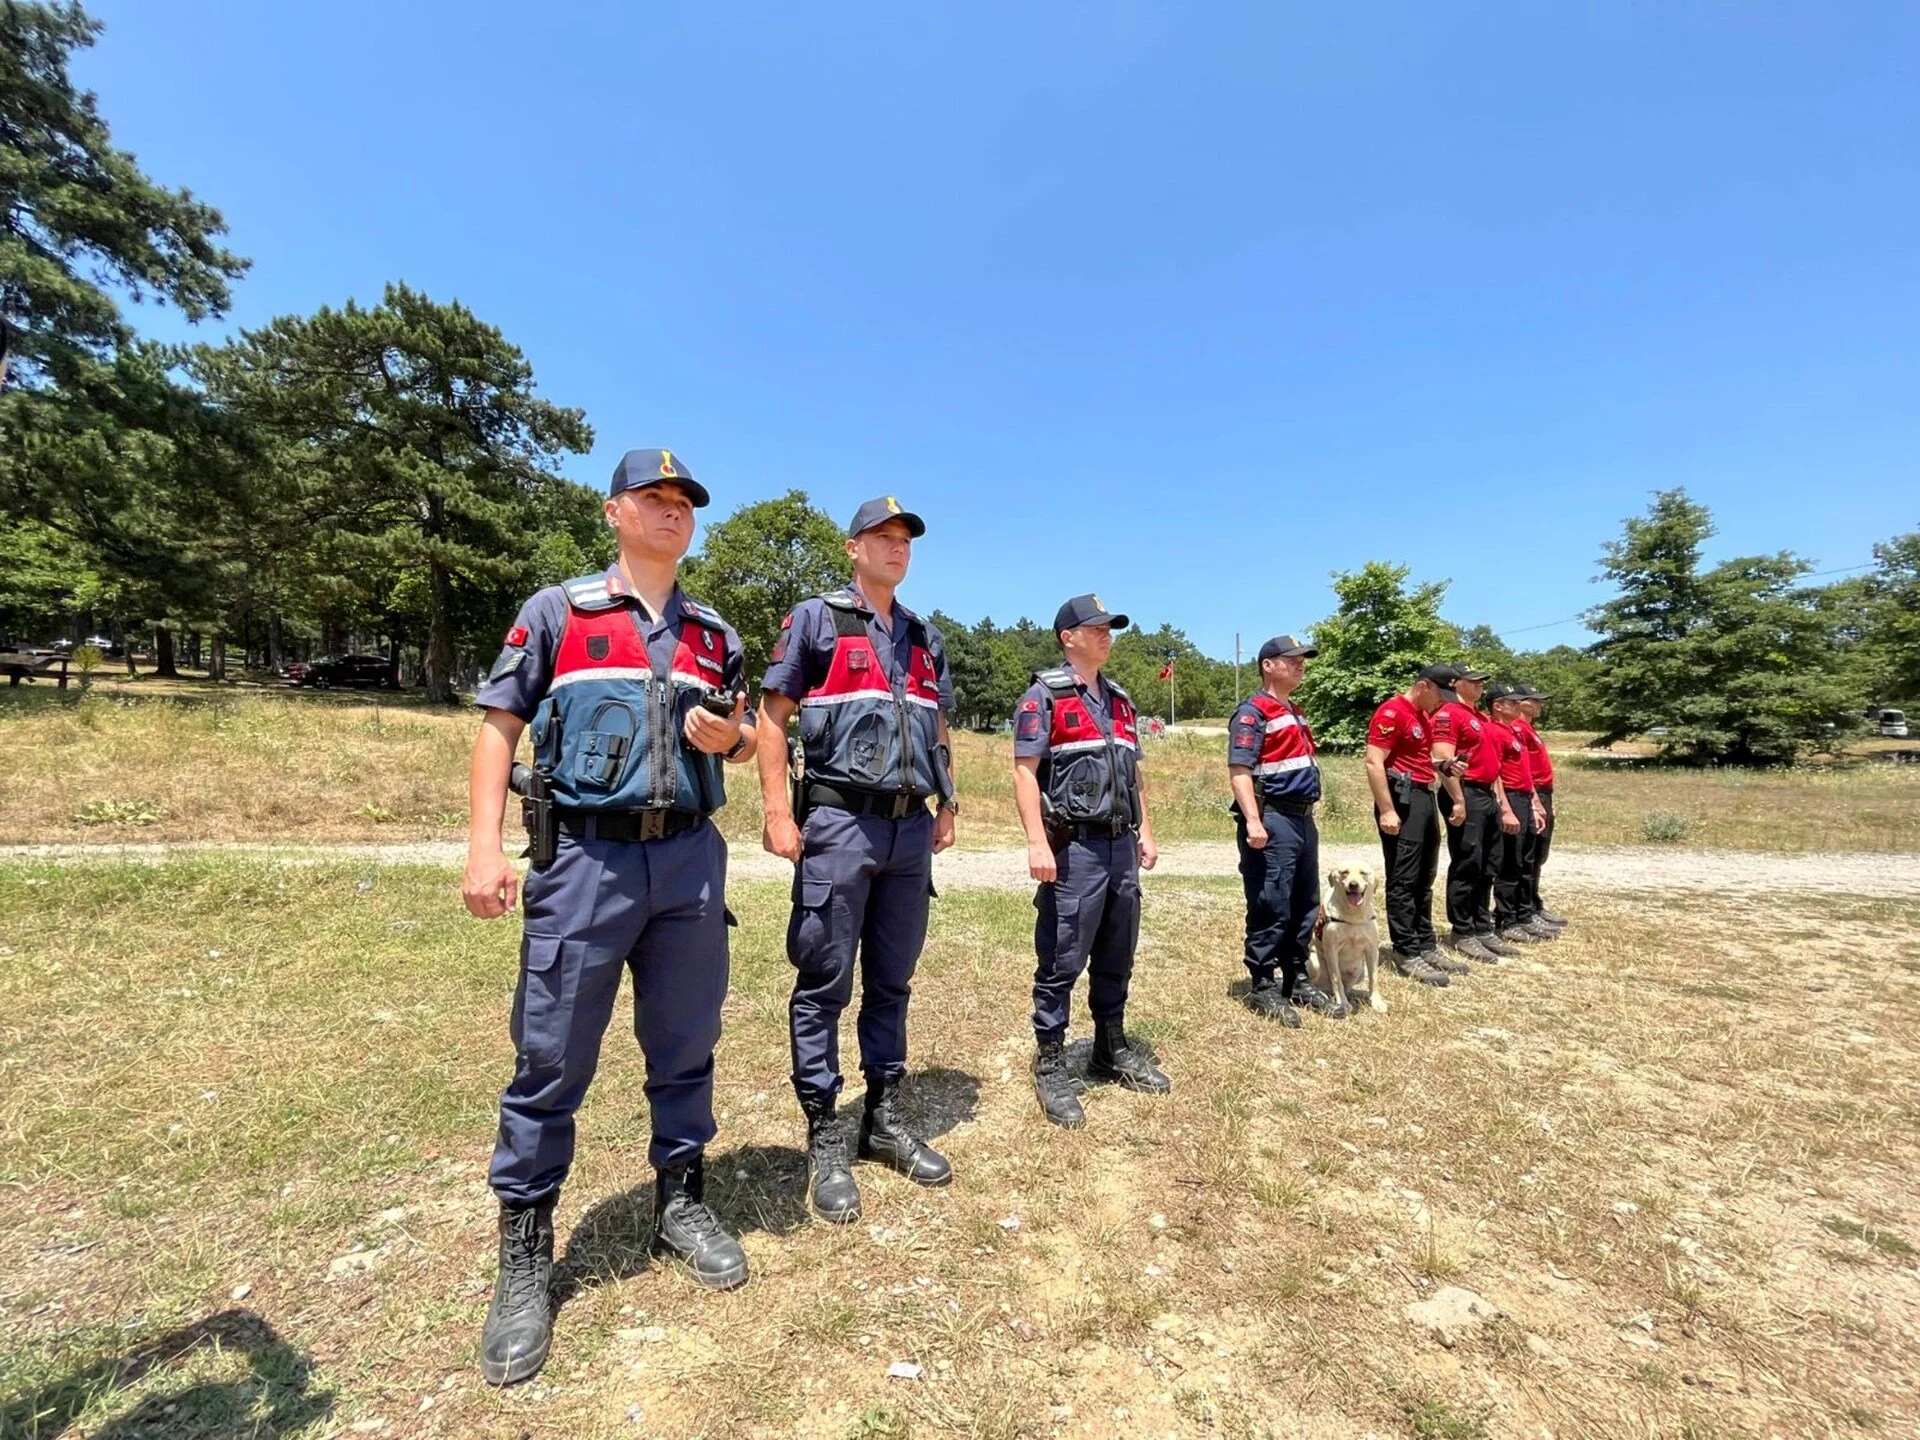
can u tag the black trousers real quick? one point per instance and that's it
(1542, 843)
(1472, 852)
(1412, 859)
(1513, 884)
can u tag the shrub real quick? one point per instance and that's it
(1664, 827)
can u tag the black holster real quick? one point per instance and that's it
(535, 789)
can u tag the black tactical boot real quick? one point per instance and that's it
(1267, 1000)
(520, 1321)
(1311, 997)
(885, 1137)
(1415, 967)
(1054, 1087)
(686, 1232)
(1115, 1059)
(831, 1189)
(1497, 947)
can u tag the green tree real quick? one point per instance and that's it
(1572, 679)
(415, 438)
(1890, 624)
(761, 561)
(96, 433)
(1484, 650)
(1372, 646)
(1738, 665)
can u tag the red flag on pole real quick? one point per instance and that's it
(1167, 673)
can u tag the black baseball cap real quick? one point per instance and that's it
(1462, 672)
(1530, 692)
(1504, 690)
(1285, 645)
(1441, 675)
(1086, 610)
(878, 512)
(640, 468)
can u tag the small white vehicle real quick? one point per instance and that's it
(1891, 723)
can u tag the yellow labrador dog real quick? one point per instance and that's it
(1346, 940)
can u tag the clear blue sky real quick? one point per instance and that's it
(1186, 304)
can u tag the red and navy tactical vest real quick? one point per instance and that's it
(1091, 772)
(863, 731)
(610, 730)
(1286, 769)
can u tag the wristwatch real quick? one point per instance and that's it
(952, 802)
(738, 746)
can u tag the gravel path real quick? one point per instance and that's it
(1622, 868)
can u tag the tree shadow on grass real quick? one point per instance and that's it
(276, 1397)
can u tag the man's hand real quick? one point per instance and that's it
(1149, 852)
(1388, 821)
(711, 735)
(1539, 816)
(1509, 822)
(780, 836)
(1040, 862)
(1457, 816)
(943, 819)
(491, 884)
(1257, 834)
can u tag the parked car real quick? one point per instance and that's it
(359, 672)
(1890, 722)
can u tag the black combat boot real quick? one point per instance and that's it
(519, 1324)
(1267, 1000)
(1054, 1087)
(1115, 1059)
(885, 1137)
(686, 1232)
(1307, 996)
(831, 1188)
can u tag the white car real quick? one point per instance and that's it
(1892, 724)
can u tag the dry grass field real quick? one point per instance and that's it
(245, 1111)
(138, 762)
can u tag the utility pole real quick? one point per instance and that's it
(1237, 691)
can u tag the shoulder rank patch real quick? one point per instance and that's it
(1028, 726)
(510, 660)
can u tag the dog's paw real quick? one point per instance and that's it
(1378, 1004)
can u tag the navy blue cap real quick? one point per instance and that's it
(878, 512)
(1285, 645)
(640, 468)
(1086, 610)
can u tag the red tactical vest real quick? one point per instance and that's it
(857, 728)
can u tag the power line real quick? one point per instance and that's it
(1810, 575)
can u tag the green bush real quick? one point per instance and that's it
(1663, 827)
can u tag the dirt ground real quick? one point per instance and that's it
(245, 1110)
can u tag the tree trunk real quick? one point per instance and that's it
(439, 657)
(274, 642)
(126, 649)
(193, 649)
(332, 640)
(217, 657)
(163, 665)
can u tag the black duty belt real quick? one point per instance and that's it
(1409, 781)
(625, 825)
(1485, 787)
(892, 804)
(1062, 832)
(1288, 807)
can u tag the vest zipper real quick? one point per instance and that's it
(666, 754)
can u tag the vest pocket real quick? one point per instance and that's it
(869, 748)
(606, 745)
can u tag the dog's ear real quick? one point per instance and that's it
(1333, 878)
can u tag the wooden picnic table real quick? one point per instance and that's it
(18, 665)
